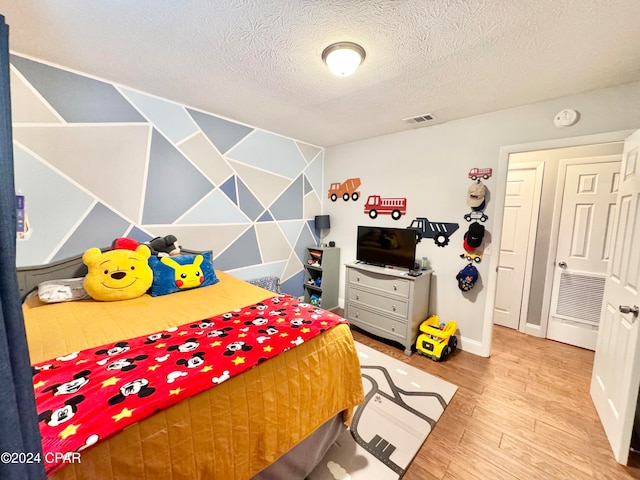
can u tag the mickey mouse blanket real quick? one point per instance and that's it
(89, 395)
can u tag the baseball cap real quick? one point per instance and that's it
(473, 237)
(467, 278)
(475, 195)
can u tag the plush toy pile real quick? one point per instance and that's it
(125, 271)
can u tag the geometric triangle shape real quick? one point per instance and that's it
(173, 183)
(307, 186)
(264, 185)
(139, 235)
(273, 244)
(312, 205)
(77, 98)
(118, 151)
(98, 229)
(44, 187)
(199, 150)
(215, 208)
(26, 106)
(265, 217)
(294, 265)
(222, 133)
(306, 239)
(168, 117)
(289, 205)
(291, 230)
(243, 252)
(293, 285)
(229, 188)
(314, 173)
(308, 151)
(248, 203)
(251, 151)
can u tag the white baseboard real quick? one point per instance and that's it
(471, 346)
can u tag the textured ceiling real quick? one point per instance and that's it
(258, 61)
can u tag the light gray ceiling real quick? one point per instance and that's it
(258, 61)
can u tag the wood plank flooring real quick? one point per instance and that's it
(523, 413)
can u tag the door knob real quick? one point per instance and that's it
(562, 264)
(628, 309)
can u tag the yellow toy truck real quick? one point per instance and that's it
(437, 340)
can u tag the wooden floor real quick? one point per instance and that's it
(523, 413)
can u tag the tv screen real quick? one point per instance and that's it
(386, 246)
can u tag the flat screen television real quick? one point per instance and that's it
(385, 246)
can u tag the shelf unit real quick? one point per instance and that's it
(321, 276)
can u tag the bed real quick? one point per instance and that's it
(274, 420)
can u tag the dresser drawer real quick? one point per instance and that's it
(393, 306)
(385, 283)
(376, 323)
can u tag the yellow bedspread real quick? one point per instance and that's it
(231, 431)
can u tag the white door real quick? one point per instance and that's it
(616, 369)
(582, 254)
(522, 202)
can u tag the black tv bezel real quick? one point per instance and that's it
(368, 261)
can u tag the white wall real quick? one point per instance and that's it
(429, 167)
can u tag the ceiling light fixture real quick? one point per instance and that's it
(343, 58)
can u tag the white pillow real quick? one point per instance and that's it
(65, 290)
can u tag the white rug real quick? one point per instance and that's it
(401, 407)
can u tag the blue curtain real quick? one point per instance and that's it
(18, 421)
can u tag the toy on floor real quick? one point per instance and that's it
(437, 341)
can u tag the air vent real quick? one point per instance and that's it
(425, 117)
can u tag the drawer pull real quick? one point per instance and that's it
(357, 313)
(395, 287)
(357, 297)
(393, 328)
(393, 307)
(358, 278)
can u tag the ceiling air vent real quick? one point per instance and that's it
(425, 117)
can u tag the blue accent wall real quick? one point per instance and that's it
(172, 170)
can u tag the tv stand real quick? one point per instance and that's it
(387, 302)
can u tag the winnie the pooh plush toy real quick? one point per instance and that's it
(117, 274)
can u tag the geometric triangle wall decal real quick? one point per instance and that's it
(222, 133)
(289, 205)
(216, 208)
(77, 98)
(307, 186)
(265, 217)
(308, 151)
(229, 187)
(242, 253)
(293, 286)
(173, 183)
(98, 229)
(314, 173)
(251, 207)
(291, 230)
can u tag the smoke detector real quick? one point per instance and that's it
(425, 117)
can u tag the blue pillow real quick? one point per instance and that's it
(182, 272)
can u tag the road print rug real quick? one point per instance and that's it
(402, 405)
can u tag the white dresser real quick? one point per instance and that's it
(387, 302)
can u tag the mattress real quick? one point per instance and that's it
(231, 431)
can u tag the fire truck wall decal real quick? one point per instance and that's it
(347, 189)
(377, 205)
(439, 231)
(476, 173)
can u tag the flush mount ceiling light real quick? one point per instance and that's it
(343, 58)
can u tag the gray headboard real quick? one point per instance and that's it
(30, 277)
